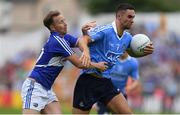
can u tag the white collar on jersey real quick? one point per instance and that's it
(115, 29)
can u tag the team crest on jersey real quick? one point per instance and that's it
(112, 56)
(124, 47)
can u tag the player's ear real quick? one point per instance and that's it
(118, 15)
(52, 27)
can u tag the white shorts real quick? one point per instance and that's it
(35, 96)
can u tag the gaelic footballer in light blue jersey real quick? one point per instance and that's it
(123, 69)
(106, 43)
(107, 46)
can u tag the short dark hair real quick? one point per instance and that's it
(48, 20)
(124, 6)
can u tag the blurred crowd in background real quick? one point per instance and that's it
(159, 73)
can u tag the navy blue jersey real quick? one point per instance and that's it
(107, 46)
(52, 58)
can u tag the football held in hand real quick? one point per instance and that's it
(138, 43)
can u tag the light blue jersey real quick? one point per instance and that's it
(52, 58)
(107, 46)
(122, 70)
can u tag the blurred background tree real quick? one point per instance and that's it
(105, 6)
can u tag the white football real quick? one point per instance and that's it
(138, 42)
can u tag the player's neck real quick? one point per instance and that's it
(120, 33)
(124, 56)
(119, 30)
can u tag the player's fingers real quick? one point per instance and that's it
(105, 63)
(150, 43)
(86, 28)
(149, 46)
(86, 61)
(94, 22)
(148, 50)
(91, 24)
(82, 60)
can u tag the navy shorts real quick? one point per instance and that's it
(102, 109)
(90, 89)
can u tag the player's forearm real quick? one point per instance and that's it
(101, 66)
(94, 65)
(83, 43)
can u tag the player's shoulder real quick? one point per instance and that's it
(127, 33)
(102, 28)
(58, 38)
(54, 38)
(68, 36)
(133, 60)
(56, 41)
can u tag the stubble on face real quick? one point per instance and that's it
(126, 19)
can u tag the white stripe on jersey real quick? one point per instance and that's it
(97, 29)
(42, 52)
(64, 45)
(47, 65)
(55, 61)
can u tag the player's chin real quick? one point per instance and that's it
(128, 27)
(65, 32)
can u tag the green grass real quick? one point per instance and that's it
(9, 111)
(66, 108)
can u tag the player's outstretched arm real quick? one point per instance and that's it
(74, 59)
(83, 43)
(135, 84)
(83, 46)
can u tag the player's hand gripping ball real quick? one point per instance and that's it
(138, 43)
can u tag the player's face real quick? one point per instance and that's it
(126, 18)
(59, 24)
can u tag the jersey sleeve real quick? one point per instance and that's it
(71, 39)
(135, 70)
(61, 47)
(96, 33)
